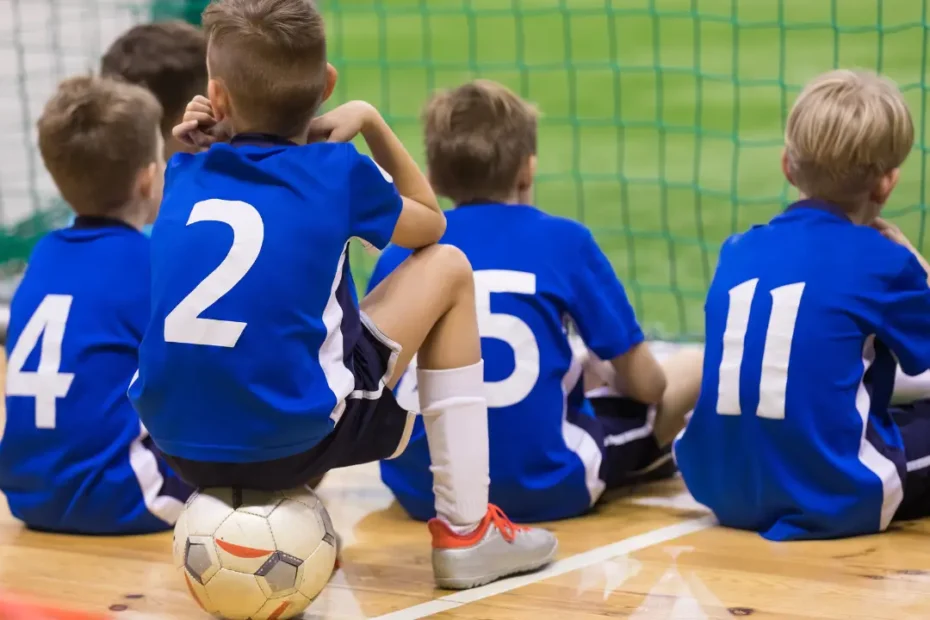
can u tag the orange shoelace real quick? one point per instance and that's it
(507, 528)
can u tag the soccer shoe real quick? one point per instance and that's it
(496, 549)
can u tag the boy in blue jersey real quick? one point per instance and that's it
(806, 316)
(74, 456)
(260, 369)
(552, 452)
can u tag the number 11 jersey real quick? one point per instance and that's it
(792, 436)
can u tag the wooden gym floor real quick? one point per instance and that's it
(651, 554)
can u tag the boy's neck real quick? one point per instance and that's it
(862, 214)
(517, 197)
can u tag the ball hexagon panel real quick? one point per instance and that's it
(297, 529)
(235, 595)
(244, 542)
(316, 570)
(207, 510)
(259, 503)
(283, 608)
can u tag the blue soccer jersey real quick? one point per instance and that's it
(791, 436)
(74, 457)
(534, 273)
(254, 317)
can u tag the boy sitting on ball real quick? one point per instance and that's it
(259, 370)
(793, 436)
(74, 457)
(553, 451)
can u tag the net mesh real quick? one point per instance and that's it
(661, 125)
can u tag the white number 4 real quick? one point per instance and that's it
(46, 384)
(778, 338)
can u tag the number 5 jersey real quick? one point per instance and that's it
(792, 436)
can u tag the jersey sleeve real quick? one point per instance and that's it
(906, 318)
(599, 305)
(375, 203)
(389, 260)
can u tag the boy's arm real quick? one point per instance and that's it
(608, 326)
(905, 320)
(414, 217)
(421, 221)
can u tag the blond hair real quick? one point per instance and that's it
(478, 136)
(95, 136)
(846, 130)
(271, 57)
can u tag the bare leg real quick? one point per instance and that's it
(683, 371)
(427, 305)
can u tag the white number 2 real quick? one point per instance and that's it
(46, 384)
(509, 329)
(183, 324)
(777, 350)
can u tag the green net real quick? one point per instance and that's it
(662, 119)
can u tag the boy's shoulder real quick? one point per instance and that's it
(526, 221)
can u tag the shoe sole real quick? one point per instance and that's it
(466, 583)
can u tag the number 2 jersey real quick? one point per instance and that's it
(74, 457)
(792, 436)
(534, 273)
(248, 355)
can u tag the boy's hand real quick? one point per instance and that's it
(199, 127)
(343, 123)
(892, 233)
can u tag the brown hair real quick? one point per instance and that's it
(95, 135)
(478, 136)
(271, 57)
(169, 58)
(846, 130)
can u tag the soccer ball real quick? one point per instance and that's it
(254, 555)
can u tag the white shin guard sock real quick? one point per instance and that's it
(455, 414)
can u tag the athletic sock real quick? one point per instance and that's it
(455, 414)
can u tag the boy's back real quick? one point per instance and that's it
(73, 455)
(792, 435)
(534, 273)
(802, 317)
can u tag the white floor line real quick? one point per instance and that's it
(566, 565)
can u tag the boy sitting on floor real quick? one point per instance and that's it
(552, 451)
(793, 436)
(74, 456)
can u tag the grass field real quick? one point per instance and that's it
(662, 119)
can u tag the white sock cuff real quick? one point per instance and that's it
(452, 386)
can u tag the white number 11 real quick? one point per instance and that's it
(778, 337)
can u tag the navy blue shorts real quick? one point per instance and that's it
(623, 427)
(914, 422)
(372, 428)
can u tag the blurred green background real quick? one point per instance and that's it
(662, 119)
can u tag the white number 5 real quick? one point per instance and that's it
(183, 324)
(46, 384)
(510, 329)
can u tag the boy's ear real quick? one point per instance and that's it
(331, 76)
(885, 186)
(527, 174)
(786, 166)
(145, 181)
(219, 99)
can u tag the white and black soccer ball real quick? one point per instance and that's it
(253, 555)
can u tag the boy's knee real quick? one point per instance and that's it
(452, 263)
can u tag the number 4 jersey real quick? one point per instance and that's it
(533, 274)
(74, 457)
(792, 436)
